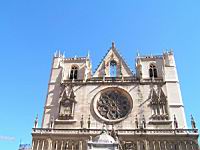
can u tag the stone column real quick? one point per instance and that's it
(164, 112)
(159, 145)
(138, 145)
(33, 143)
(43, 145)
(165, 145)
(61, 146)
(179, 145)
(38, 144)
(186, 146)
(56, 145)
(72, 145)
(147, 145)
(49, 144)
(154, 146)
(80, 145)
(192, 146)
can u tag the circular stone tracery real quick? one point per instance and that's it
(113, 105)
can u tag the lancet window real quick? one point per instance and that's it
(158, 105)
(153, 71)
(74, 72)
(113, 68)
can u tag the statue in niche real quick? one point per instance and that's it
(158, 105)
(67, 104)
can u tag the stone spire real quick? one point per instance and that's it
(81, 122)
(175, 122)
(136, 122)
(113, 45)
(36, 122)
(193, 123)
(89, 122)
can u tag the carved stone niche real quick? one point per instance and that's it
(67, 104)
(159, 105)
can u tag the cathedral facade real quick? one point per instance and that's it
(114, 108)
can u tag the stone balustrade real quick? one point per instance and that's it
(120, 131)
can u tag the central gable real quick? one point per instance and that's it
(113, 65)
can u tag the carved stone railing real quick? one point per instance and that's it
(120, 131)
(115, 80)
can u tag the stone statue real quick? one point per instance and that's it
(81, 122)
(113, 133)
(52, 122)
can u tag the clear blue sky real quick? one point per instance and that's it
(32, 30)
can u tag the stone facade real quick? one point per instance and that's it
(145, 109)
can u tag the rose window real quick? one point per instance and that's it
(113, 105)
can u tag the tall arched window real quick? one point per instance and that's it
(153, 71)
(113, 68)
(74, 73)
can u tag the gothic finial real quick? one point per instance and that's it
(143, 122)
(175, 122)
(136, 122)
(52, 122)
(59, 54)
(193, 123)
(113, 45)
(88, 54)
(36, 122)
(81, 122)
(55, 54)
(89, 122)
(138, 53)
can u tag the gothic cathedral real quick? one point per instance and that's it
(114, 108)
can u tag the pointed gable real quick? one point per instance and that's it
(113, 59)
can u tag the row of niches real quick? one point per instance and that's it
(113, 104)
(125, 145)
(160, 145)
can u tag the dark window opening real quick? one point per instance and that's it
(74, 73)
(153, 71)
